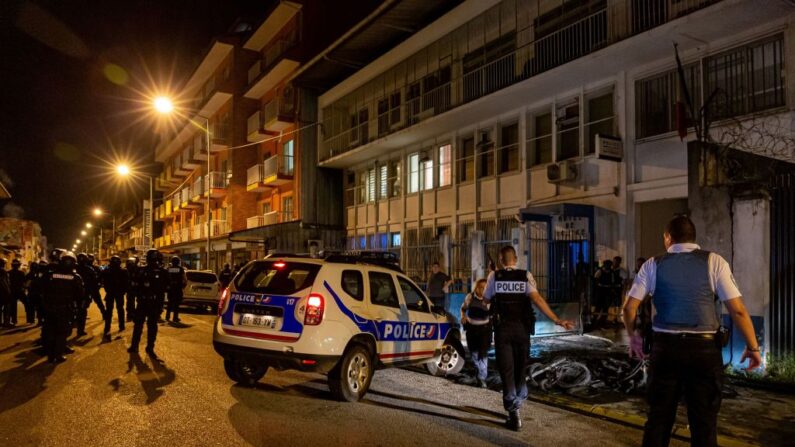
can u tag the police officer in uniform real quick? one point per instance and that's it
(687, 286)
(16, 281)
(152, 283)
(132, 272)
(225, 277)
(37, 290)
(63, 289)
(94, 292)
(177, 280)
(31, 302)
(116, 282)
(90, 282)
(511, 292)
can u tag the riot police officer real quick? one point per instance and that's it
(132, 272)
(94, 292)
(90, 282)
(225, 277)
(16, 281)
(5, 294)
(687, 286)
(511, 293)
(37, 290)
(177, 280)
(116, 282)
(31, 301)
(63, 289)
(152, 283)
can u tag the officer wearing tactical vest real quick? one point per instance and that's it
(686, 285)
(63, 290)
(177, 280)
(152, 284)
(511, 293)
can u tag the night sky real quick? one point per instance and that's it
(74, 78)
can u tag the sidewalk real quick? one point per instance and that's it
(748, 416)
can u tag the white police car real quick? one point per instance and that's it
(335, 316)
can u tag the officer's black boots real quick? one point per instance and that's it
(151, 353)
(514, 420)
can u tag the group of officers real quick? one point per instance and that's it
(59, 293)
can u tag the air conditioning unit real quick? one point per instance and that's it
(564, 171)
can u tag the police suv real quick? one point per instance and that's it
(344, 316)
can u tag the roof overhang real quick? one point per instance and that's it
(272, 78)
(215, 56)
(277, 19)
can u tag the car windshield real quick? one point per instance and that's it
(202, 277)
(276, 277)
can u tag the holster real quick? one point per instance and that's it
(723, 336)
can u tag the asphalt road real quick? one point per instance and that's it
(104, 397)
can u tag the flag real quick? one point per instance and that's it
(683, 102)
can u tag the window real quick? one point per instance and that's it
(383, 116)
(371, 185)
(414, 299)
(382, 290)
(600, 120)
(747, 79)
(427, 173)
(350, 188)
(353, 284)
(445, 165)
(508, 154)
(540, 144)
(382, 182)
(265, 277)
(568, 123)
(395, 179)
(394, 108)
(414, 173)
(288, 158)
(486, 155)
(395, 239)
(465, 168)
(266, 207)
(656, 97)
(287, 209)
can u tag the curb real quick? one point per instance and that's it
(634, 420)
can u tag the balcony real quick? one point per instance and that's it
(159, 242)
(215, 184)
(276, 64)
(189, 161)
(255, 175)
(219, 136)
(188, 199)
(177, 168)
(160, 213)
(262, 220)
(197, 190)
(161, 184)
(449, 98)
(176, 201)
(199, 231)
(278, 114)
(278, 170)
(254, 128)
(218, 228)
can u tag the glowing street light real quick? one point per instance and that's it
(122, 170)
(77, 241)
(83, 233)
(163, 105)
(88, 225)
(98, 211)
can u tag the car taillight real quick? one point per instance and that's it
(222, 301)
(314, 309)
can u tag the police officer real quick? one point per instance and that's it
(94, 292)
(152, 284)
(132, 272)
(5, 294)
(31, 301)
(90, 282)
(225, 277)
(177, 280)
(16, 281)
(511, 293)
(63, 289)
(687, 286)
(116, 282)
(37, 290)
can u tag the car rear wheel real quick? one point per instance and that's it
(450, 361)
(244, 373)
(350, 379)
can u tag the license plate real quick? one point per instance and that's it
(202, 288)
(263, 321)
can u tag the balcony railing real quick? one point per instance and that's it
(197, 190)
(218, 228)
(176, 201)
(558, 39)
(216, 183)
(262, 220)
(254, 176)
(254, 126)
(278, 114)
(272, 55)
(278, 166)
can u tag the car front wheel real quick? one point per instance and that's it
(350, 379)
(450, 360)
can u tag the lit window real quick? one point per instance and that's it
(445, 165)
(427, 174)
(414, 173)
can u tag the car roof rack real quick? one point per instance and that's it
(385, 259)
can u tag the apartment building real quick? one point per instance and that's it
(552, 126)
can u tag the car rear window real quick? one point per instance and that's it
(276, 277)
(202, 277)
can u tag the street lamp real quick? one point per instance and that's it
(83, 233)
(89, 225)
(165, 106)
(98, 211)
(124, 171)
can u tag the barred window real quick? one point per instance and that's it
(746, 80)
(656, 97)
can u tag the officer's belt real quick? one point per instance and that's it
(683, 335)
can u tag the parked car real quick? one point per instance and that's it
(336, 316)
(202, 291)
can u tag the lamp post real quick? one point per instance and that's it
(98, 212)
(164, 106)
(124, 171)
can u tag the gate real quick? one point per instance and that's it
(560, 256)
(782, 266)
(422, 250)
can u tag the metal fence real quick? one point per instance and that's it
(782, 267)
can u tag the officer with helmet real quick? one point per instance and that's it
(63, 290)
(177, 280)
(132, 272)
(94, 292)
(116, 282)
(511, 292)
(152, 283)
(16, 281)
(33, 298)
(90, 282)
